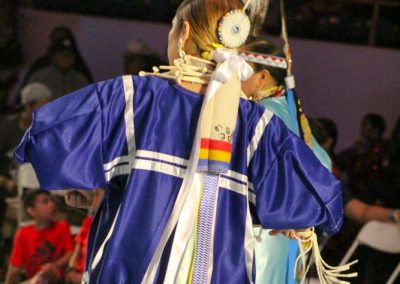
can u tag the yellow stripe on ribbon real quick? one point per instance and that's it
(215, 155)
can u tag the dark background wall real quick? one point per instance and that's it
(339, 81)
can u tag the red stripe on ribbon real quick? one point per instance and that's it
(216, 145)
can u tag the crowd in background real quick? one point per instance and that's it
(344, 21)
(370, 174)
(59, 71)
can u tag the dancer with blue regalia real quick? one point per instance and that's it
(275, 255)
(181, 155)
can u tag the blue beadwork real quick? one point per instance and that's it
(204, 229)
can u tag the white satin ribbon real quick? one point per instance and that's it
(228, 61)
(184, 231)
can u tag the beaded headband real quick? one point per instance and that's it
(265, 59)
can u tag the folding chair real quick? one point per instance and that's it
(394, 275)
(384, 237)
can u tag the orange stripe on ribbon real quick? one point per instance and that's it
(216, 145)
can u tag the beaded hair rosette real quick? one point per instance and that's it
(233, 31)
(234, 28)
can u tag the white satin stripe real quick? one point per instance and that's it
(233, 185)
(118, 171)
(236, 175)
(252, 198)
(251, 186)
(114, 168)
(252, 195)
(159, 167)
(258, 133)
(162, 157)
(249, 243)
(100, 252)
(115, 162)
(186, 224)
(129, 117)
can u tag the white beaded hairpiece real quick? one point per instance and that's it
(234, 28)
(265, 59)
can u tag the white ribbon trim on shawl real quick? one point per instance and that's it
(119, 166)
(258, 133)
(129, 115)
(229, 62)
(116, 162)
(249, 241)
(100, 252)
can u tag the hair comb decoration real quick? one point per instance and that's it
(234, 28)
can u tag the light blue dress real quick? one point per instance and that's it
(276, 255)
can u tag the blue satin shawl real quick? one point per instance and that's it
(136, 143)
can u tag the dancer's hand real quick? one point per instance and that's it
(79, 198)
(292, 233)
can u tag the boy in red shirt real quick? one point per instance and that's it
(43, 248)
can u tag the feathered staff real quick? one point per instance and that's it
(257, 11)
(294, 102)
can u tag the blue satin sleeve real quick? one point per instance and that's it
(293, 189)
(64, 142)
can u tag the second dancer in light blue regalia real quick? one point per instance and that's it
(166, 217)
(275, 255)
